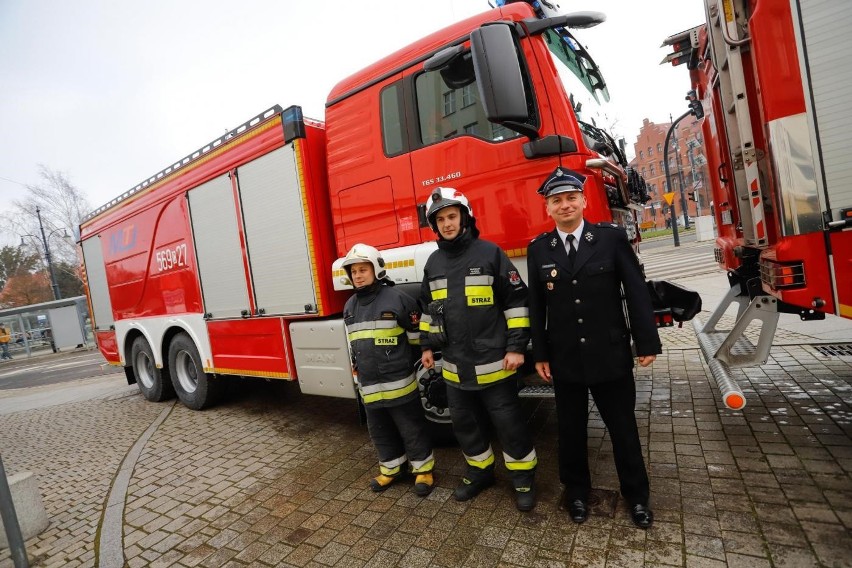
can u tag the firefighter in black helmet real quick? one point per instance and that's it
(476, 314)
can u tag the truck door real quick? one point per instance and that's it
(454, 145)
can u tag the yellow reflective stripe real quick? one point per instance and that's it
(423, 466)
(389, 471)
(450, 376)
(424, 326)
(517, 322)
(478, 291)
(439, 294)
(525, 463)
(373, 333)
(389, 394)
(481, 461)
(434, 329)
(493, 377)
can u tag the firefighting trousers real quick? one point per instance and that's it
(400, 434)
(499, 403)
(615, 401)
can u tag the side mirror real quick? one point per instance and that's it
(498, 76)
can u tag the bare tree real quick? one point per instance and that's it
(61, 206)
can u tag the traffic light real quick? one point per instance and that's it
(695, 107)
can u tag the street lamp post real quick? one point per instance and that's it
(47, 256)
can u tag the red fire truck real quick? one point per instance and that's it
(772, 81)
(227, 261)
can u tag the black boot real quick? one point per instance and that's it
(524, 491)
(474, 482)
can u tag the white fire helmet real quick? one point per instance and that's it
(365, 253)
(445, 197)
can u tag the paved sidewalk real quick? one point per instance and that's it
(276, 478)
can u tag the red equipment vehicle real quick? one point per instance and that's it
(773, 85)
(227, 262)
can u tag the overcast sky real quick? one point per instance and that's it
(110, 92)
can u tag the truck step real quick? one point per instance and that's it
(537, 391)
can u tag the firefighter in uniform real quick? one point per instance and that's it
(475, 312)
(581, 340)
(382, 328)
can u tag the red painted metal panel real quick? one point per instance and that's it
(810, 251)
(108, 346)
(251, 347)
(776, 60)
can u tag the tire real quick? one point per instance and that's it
(195, 388)
(154, 384)
(434, 400)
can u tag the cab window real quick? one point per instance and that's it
(448, 105)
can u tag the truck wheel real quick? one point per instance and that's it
(433, 396)
(154, 384)
(195, 388)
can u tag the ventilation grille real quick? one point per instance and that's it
(835, 350)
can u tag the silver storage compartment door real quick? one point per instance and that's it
(828, 44)
(321, 354)
(217, 248)
(93, 257)
(274, 221)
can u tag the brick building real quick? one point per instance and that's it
(686, 162)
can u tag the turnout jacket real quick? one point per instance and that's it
(577, 316)
(382, 325)
(474, 311)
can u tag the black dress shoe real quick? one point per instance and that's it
(578, 510)
(642, 516)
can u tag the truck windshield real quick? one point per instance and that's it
(574, 57)
(585, 87)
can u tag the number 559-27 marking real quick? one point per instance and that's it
(172, 258)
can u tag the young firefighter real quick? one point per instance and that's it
(478, 316)
(381, 325)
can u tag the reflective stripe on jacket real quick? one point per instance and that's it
(382, 328)
(484, 313)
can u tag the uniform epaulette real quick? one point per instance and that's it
(608, 226)
(538, 237)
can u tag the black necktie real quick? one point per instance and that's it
(572, 252)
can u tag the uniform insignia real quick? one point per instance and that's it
(388, 315)
(553, 242)
(589, 237)
(550, 285)
(414, 317)
(514, 277)
(548, 266)
(474, 271)
(558, 172)
(554, 272)
(614, 225)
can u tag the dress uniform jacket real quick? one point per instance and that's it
(577, 315)
(485, 313)
(382, 325)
